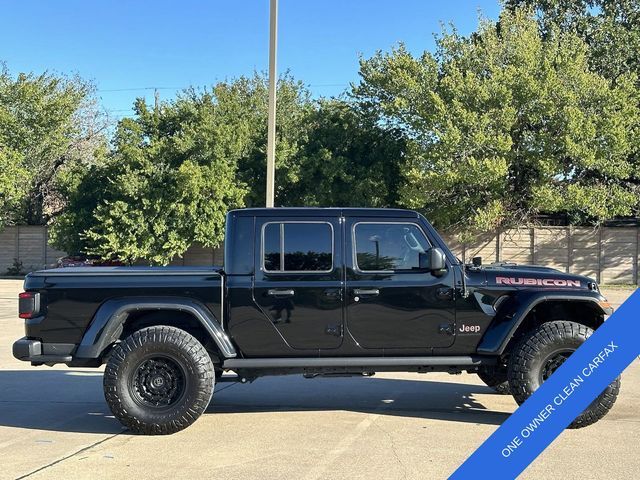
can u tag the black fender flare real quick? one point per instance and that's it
(108, 321)
(509, 318)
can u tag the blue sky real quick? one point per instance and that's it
(125, 46)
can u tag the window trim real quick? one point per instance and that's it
(354, 249)
(282, 223)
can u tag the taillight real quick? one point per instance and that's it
(28, 304)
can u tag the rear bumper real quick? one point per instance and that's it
(34, 351)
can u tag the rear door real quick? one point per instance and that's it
(390, 302)
(299, 286)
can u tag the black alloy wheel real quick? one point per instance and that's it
(158, 380)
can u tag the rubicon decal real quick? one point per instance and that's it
(540, 282)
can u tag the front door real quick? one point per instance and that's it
(390, 302)
(299, 285)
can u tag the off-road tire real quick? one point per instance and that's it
(188, 370)
(495, 378)
(539, 347)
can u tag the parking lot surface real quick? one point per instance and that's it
(54, 423)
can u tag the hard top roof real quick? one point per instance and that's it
(324, 212)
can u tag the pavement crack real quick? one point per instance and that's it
(342, 446)
(393, 447)
(60, 460)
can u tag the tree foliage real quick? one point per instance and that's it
(13, 178)
(507, 124)
(246, 102)
(329, 152)
(48, 124)
(175, 171)
(611, 29)
(169, 182)
(347, 159)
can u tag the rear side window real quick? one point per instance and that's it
(388, 246)
(271, 246)
(297, 247)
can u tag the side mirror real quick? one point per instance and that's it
(432, 260)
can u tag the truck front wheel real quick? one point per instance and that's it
(159, 380)
(541, 352)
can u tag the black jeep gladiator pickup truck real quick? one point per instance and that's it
(313, 291)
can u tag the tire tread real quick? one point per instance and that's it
(200, 361)
(524, 354)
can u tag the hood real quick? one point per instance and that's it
(533, 276)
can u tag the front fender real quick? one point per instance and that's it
(516, 309)
(108, 321)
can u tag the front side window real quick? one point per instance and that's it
(388, 246)
(298, 247)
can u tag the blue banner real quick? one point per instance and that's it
(559, 400)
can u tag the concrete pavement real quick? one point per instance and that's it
(54, 423)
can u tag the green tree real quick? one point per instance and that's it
(169, 182)
(611, 29)
(346, 160)
(507, 124)
(328, 152)
(48, 123)
(174, 172)
(81, 189)
(13, 177)
(246, 101)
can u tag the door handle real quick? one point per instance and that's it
(366, 291)
(333, 293)
(445, 293)
(276, 292)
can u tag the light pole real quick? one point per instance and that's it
(271, 130)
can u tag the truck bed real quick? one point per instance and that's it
(70, 297)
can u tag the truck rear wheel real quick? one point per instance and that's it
(159, 380)
(541, 352)
(496, 378)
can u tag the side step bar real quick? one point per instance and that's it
(350, 362)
